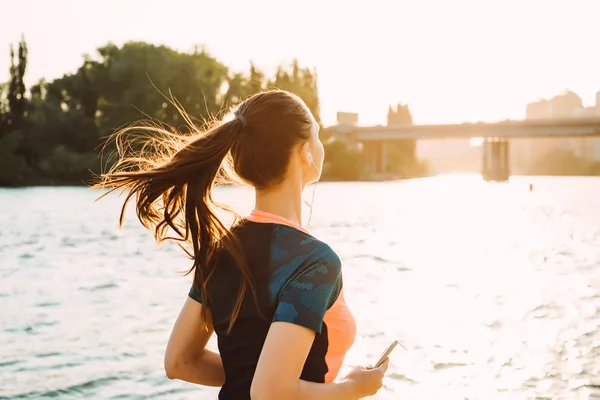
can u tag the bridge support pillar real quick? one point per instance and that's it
(383, 157)
(495, 160)
(375, 156)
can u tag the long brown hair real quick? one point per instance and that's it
(171, 176)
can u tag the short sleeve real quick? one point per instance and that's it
(195, 293)
(309, 294)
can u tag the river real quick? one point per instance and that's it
(493, 289)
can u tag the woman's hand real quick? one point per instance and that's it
(367, 381)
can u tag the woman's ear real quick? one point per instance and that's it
(305, 154)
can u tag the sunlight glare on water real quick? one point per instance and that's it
(493, 290)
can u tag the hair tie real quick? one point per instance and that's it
(242, 120)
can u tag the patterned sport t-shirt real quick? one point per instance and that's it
(298, 280)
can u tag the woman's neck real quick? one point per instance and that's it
(284, 200)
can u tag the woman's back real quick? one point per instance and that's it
(297, 279)
(265, 285)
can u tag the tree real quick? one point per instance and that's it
(342, 163)
(53, 137)
(302, 82)
(404, 161)
(4, 110)
(13, 166)
(139, 79)
(241, 86)
(17, 102)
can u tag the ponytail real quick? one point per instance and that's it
(172, 188)
(171, 177)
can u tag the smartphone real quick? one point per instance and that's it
(386, 353)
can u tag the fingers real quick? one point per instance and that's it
(384, 366)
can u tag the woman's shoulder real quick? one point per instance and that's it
(306, 278)
(299, 250)
(288, 250)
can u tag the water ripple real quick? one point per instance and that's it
(493, 290)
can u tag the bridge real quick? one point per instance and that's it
(376, 139)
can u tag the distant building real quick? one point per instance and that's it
(400, 115)
(346, 121)
(561, 106)
(566, 105)
(347, 118)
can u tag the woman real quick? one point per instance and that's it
(271, 291)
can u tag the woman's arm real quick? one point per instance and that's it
(280, 365)
(301, 306)
(186, 357)
(281, 362)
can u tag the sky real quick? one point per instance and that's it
(451, 61)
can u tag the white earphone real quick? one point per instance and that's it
(309, 156)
